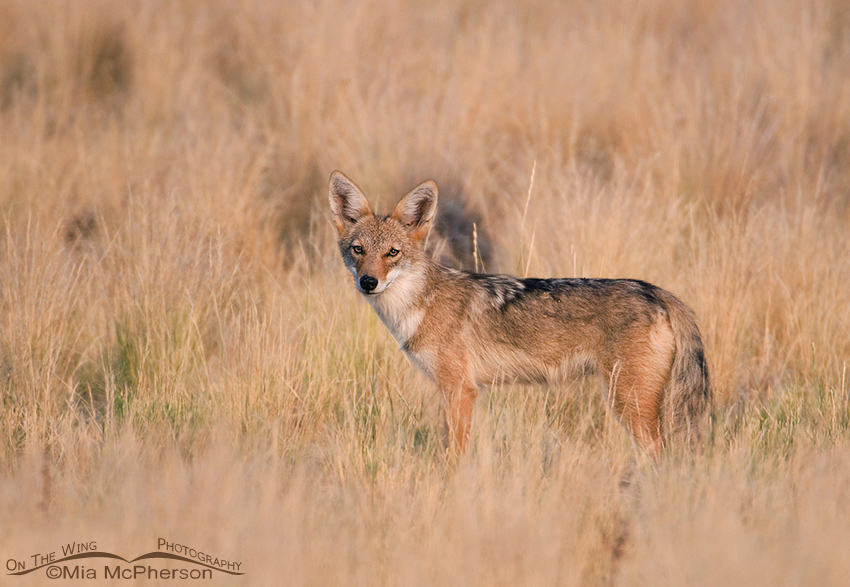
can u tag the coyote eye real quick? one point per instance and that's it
(393, 252)
(357, 249)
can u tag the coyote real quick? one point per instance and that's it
(466, 329)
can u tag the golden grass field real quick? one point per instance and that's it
(183, 355)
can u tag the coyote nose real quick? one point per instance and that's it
(368, 283)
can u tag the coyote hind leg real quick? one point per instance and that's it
(634, 395)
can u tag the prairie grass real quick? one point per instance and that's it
(182, 354)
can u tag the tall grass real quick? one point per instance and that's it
(182, 354)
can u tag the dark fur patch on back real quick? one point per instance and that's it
(503, 289)
(647, 292)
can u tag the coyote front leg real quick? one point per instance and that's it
(458, 398)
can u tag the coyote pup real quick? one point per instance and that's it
(466, 329)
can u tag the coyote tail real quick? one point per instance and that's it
(688, 394)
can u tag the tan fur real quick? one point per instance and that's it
(465, 329)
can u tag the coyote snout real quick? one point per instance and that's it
(368, 284)
(468, 329)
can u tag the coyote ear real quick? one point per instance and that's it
(348, 204)
(416, 210)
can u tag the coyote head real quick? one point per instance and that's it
(379, 250)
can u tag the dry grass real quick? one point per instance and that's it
(183, 355)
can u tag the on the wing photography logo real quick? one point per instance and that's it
(83, 560)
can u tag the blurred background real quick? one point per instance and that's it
(169, 279)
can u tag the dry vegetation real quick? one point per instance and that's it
(183, 355)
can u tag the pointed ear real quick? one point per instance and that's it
(348, 204)
(416, 210)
